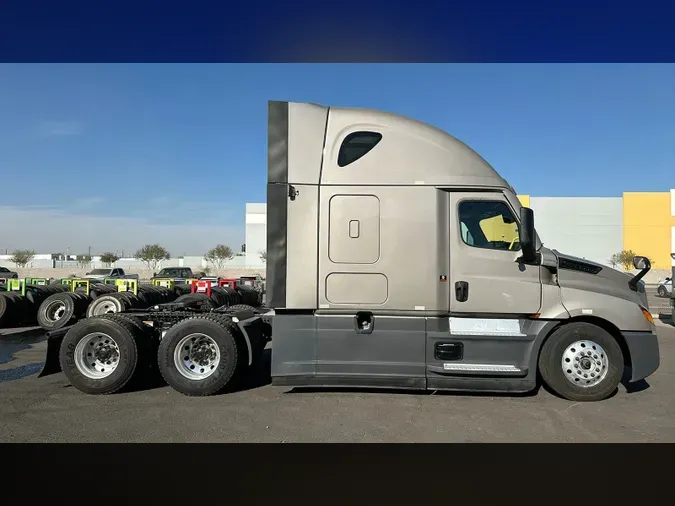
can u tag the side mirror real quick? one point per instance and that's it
(527, 235)
(644, 265)
(641, 263)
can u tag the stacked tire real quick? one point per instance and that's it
(65, 307)
(250, 296)
(62, 309)
(17, 309)
(12, 309)
(243, 297)
(120, 302)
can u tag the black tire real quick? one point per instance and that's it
(661, 291)
(230, 344)
(7, 311)
(551, 362)
(200, 300)
(147, 342)
(243, 307)
(124, 335)
(67, 306)
(21, 308)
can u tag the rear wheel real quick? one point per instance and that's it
(99, 355)
(202, 355)
(581, 362)
(661, 290)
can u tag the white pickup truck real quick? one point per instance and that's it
(113, 273)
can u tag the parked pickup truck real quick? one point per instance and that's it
(5, 273)
(113, 273)
(177, 274)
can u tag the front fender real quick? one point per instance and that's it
(626, 315)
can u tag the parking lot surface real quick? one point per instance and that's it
(50, 410)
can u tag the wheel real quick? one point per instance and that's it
(201, 355)
(56, 311)
(99, 355)
(104, 304)
(146, 345)
(581, 362)
(661, 291)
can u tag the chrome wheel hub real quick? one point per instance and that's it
(196, 356)
(585, 363)
(97, 355)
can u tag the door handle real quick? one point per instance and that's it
(462, 291)
(364, 322)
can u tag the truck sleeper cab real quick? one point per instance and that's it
(398, 257)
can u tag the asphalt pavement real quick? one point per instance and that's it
(50, 410)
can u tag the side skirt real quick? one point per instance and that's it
(456, 384)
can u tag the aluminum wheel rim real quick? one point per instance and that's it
(55, 311)
(97, 355)
(105, 307)
(196, 356)
(585, 363)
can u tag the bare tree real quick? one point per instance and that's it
(22, 257)
(615, 259)
(84, 260)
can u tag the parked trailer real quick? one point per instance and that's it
(354, 197)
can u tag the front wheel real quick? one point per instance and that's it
(661, 290)
(581, 362)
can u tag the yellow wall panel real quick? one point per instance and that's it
(647, 223)
(524, 200)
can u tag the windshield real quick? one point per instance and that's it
(100, 271)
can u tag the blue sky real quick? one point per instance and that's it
(187, 143)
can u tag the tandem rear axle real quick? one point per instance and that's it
(197, 351)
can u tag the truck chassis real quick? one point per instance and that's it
(197, 352)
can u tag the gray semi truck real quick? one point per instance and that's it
(397, 257)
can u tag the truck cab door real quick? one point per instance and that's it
(486, 276)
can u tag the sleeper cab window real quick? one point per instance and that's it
(356, 145)
(488, 224)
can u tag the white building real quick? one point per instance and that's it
(256, 233)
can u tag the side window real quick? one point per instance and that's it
(488, 224)
(356, 145)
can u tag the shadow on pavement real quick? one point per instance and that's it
(17, 340)
(258, 377)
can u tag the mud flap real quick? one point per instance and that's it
(52, 364)
(249, 324)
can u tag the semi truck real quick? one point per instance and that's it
(397, 257)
